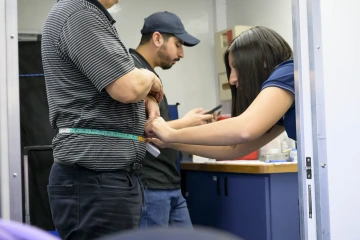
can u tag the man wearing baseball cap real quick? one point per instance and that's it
(161, 45)
(167, 22)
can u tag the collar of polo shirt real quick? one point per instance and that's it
(103, 9)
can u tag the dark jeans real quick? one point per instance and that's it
(86, 204)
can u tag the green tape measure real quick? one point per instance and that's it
(102, 133)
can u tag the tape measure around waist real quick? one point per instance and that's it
(102, 133)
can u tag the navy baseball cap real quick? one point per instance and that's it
(167, 22)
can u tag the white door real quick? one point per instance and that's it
(326, 44)
(10, 165)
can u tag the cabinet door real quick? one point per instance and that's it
(245, 205)
(202, 193)
(284, 212)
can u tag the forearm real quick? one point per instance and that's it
(213, 152)
(177, 124)
(132, 87)
(229, 152)
(222, 133)
(140, 87)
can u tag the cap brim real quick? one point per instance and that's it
(188, 40)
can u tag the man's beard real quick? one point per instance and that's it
(165, 61)
(115, 9)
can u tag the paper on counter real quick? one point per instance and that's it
(251, 162)
(198, 159)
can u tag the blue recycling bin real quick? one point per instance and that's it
(173, 110)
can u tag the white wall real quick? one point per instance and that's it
(32, 14)
(220, 23)
(274, 14)
(191, 82)
(340, 52)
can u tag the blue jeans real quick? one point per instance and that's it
(164, 208)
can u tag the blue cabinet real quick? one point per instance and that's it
(244, 205)
(203, 198)
(252, 206)
(284, 206)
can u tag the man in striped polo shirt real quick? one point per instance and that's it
(92, 84)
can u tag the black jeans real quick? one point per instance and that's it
(86, 204)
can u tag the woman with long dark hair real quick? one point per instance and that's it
(260, 71)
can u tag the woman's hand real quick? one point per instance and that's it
(160, 129)
(157, 142)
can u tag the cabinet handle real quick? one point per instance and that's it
(218, 186)
(226, 187)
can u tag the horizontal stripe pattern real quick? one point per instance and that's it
(82, 53)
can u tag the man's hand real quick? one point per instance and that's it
(157, 90)
(197, 117)
(215, 117)
(151, 107)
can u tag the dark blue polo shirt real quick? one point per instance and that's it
(283, 77)
(159, 173)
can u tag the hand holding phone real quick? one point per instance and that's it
(214, 109)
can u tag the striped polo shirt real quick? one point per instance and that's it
(82, 53)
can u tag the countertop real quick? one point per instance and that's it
(241, 166)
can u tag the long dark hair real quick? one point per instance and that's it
(256, 53)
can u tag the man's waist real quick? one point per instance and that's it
(160, 176)
(85, 169)
(160, 185)
(105, 133)
(84, 147)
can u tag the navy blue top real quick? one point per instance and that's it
(283, 77)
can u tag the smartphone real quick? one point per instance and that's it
(214, 109)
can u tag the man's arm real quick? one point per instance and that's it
(104, 61)
(135, 86)
(151, 107)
